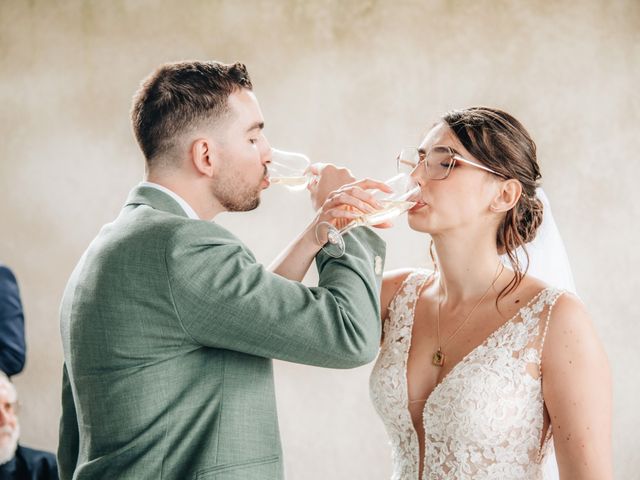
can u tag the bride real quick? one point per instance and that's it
(481, 364)
(484, 370)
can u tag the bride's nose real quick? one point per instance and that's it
(416, 177)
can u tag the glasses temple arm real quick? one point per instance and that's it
(464, 160)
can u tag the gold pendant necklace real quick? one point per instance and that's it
(439, 356)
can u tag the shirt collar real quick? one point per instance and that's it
(181, 201)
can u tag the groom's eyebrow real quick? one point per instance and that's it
(257, 125)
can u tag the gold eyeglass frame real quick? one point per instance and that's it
(455, 157)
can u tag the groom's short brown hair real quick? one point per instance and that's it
(177, 96)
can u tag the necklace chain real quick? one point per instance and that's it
(439, 356)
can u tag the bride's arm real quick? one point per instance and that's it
(577, 392)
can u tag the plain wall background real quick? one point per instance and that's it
(348, 82)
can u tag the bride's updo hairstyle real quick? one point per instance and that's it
(501, 143)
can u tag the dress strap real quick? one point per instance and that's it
(410, 287)
(550, 297)
(525, 332)
(402, 305)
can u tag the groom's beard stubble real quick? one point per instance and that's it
(235, 194)
(8, 443)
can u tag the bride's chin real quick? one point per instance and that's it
(419, 225)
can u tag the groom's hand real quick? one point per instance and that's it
(348, 202)
(328, 178)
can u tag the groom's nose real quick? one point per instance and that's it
(266, 155)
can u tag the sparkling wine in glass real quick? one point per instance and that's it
(405, 191)
(289, 169)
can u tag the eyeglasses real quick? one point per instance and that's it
(438, 161)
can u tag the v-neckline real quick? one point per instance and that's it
(465, 358)
(456, 366)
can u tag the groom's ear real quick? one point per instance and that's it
(508, 194)
(203, 156)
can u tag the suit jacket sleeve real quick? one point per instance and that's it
(68, 442)
(12, 344)
(225, 299)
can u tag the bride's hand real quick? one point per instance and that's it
(330, 179)
(349, 202)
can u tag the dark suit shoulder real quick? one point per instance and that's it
(39, 464)
(12, 342)
(6, 273)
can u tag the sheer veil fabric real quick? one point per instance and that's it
(548, 258)
(548, 261)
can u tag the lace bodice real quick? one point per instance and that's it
(484, 420)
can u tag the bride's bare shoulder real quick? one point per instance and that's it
(392, 280)
(532, 284)
(570, 329)
(527, 290)
(570, 317)
(395, 278)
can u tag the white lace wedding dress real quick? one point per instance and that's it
(485, 418)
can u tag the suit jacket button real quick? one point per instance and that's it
(378, 265)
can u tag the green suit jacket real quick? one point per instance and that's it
(169, 326)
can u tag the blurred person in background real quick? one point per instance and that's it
(12, 343)
(18, 462)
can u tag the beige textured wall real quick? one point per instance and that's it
(345, 81)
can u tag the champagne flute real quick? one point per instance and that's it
(289, 169)
(393, 204)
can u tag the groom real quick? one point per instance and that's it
(168, 322)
